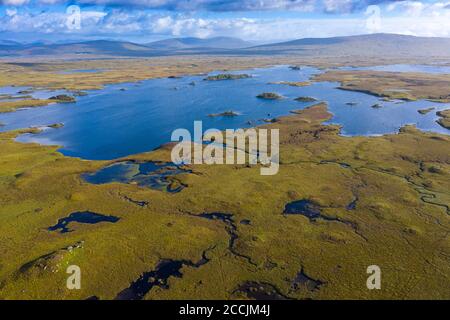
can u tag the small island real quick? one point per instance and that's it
(79, 93)
(227, 76)
(56, 125)
(305, 99)
(445, 118)
(352, 104)
(63, 98)
(224, 114)
(293, 83)
(296, 68)
(25, 92)
(377, 106)
(425, 111)
(269, 96)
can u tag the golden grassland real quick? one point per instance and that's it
(293, 84)
(444, 118)
(10, 106)
(52, 73)
(393, 85)
(49, 74)
(400, 221)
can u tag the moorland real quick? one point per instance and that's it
(337, 205)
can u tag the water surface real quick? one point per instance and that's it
(130, 118)
(147, 174)
(435, 69)
(81, 217)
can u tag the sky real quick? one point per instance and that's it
(259, 21)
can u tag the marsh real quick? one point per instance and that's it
(109, 123)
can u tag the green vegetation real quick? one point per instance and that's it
(63, 98)
(400, 220)
(305, 99)
(269, 96)
(445, 118)
(227, 76)
(56, 125)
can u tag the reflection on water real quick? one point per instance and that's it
(12, 92)
(147, 174)
(303, 207)
(112, 123)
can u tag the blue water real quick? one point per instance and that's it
(435, 69)
(82, 71)
(36, 94)
(148, 174)
(81, 217)
(112, 123)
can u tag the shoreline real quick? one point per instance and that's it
(291, 114)
(316, 164)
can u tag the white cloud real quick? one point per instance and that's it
(427, 20)
(411, 8)
(330, 6)
(338, 5)
(11, 12)
(14, 2)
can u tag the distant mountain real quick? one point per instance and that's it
(190, 43)
(8, 43)
(98, 47)
(374, 45)
(367, 45)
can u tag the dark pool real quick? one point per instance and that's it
(81, 217)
